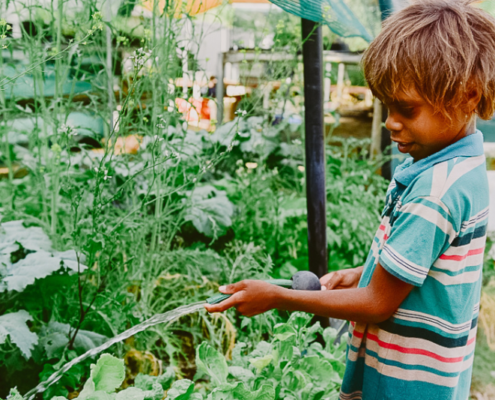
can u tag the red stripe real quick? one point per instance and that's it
(406, 350)
(463, 257)
(382, 227)
(385, 237)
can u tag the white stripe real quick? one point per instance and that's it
(410, 375)
(427, 319)
(439, 178)
(431, 215)
(438, 202)
(404, 264)
(460, 170)
(446, 280)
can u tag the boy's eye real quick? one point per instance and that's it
(406, 111)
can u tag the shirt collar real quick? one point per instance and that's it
(469, 146)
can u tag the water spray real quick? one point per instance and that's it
(303, 280)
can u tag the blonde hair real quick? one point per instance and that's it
(443, 48)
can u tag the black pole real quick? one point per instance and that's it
(315, 148)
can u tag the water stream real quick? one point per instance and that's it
(155, 320)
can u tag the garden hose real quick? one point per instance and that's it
(303, 280)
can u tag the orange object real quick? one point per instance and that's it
(193, 109)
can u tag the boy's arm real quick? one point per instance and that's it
(372, 304)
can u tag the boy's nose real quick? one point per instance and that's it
(393, 124)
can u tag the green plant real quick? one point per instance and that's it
(106, 377)
(291, 366)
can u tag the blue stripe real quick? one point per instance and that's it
(466, 238)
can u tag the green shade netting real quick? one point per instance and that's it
(362, 20)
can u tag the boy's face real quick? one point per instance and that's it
(419, 130)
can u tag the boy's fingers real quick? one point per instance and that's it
(335, 281)
(221, 307)
(326, 278)
(232, 288)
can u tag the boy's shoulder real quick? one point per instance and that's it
(460, 184)
(447, 178)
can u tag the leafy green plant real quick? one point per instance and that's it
(291, 366)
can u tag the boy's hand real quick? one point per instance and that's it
(250, 297)
(343, 279)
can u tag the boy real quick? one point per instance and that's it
(416, 300)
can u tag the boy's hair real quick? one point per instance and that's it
(443, 48)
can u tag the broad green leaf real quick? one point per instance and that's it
(224, 134)
(262, 349)
(99, 395)
(227, 391)
(329, 336)
(240, 392)
(284, 330)
(181, 390)
(241, 374)
(309, 335)
(146, 382)
(237, 356)
(261, 362)
(32, 238)
(284, 336)
(36, 266)
(211, 362)
(108, 373)
(211, 211)
(14, 325)
(155, 393)
(320, 370)
(131, 393)
(299, 320)
(55, 336)
(259, 144)
(265, 392)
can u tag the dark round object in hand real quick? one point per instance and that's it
(305, 280)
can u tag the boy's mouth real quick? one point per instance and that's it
(404, 147)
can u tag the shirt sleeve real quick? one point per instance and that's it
(423, 229)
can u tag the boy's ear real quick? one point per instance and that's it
(473, 97)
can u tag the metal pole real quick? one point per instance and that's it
(315, 148)
(219, 87)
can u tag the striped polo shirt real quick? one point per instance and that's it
(432, 235)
